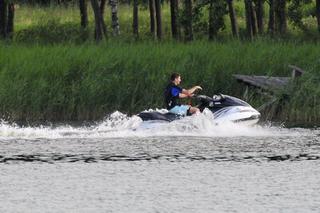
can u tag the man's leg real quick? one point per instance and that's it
(180, 110)
(194, 110)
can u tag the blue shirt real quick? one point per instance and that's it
(172, 95)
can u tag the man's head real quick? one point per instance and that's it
(175, 78)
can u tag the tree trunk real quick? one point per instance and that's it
(248, 9)
(254, 19)
(280, 15)
(83, 13)
(158, 18)
(271, 24)
(188, 20)
(233, 19)
(102, 6)
(174, 15)
(3, 18)
(260, 14)
(135, 23)
(114, 17)
(212, 33)
(318, 13)
(100, 27)
(10, 20)
(152, 18)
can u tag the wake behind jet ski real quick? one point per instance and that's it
(224, 108)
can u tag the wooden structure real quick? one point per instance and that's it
(263, 82)
(269, 83)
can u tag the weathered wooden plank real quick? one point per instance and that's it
(263, 82)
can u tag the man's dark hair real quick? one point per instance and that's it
(174, 76)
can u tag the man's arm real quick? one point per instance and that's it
(189, 92)
(183, 95)
(179, 93)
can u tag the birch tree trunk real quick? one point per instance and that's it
(114, 17)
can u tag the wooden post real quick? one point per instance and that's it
(296, 71)
(246, 93)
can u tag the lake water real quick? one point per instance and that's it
(124, 165)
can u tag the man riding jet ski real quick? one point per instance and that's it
(224, 108)
(173, 92)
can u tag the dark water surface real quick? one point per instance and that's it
(124, 169)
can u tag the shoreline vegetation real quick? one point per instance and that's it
(55, 66)
(68, 82)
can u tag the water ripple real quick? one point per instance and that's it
(52, 158)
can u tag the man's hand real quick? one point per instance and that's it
(198, 88)
(190, 92)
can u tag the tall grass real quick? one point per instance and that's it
(85, 82)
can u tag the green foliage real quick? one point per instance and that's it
(32, 20)
(296, 12)
(201, 16)
(218, 9)
(200, 19)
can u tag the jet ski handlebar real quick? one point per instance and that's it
(214, 98)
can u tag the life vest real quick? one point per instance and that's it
(171, 95)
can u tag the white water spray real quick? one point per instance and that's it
(119, 125)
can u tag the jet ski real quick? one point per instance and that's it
(225, 108)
